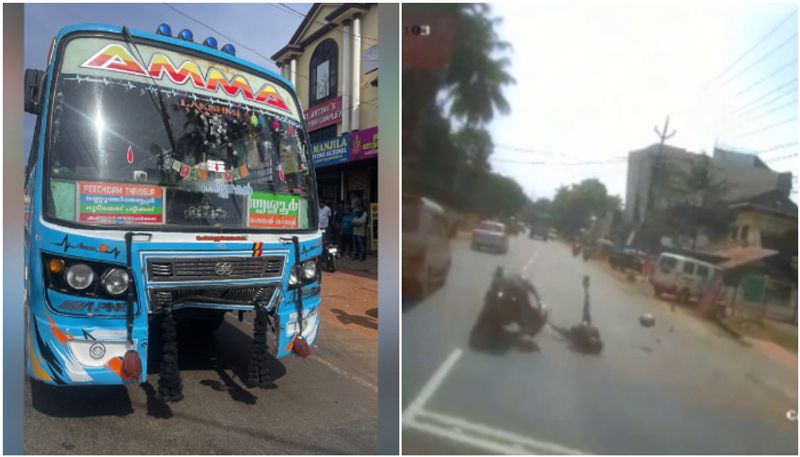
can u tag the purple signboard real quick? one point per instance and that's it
(364, 144)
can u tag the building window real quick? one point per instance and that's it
(325, 133)
(322, 72)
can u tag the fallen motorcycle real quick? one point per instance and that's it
(508, 319)
(583, 337)
(586, 338)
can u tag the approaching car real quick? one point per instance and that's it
(490, 235)
(426, 246)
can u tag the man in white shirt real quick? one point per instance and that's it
(324, 216)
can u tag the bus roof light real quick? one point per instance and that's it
(211, 42)
(186, 35)
(229, 49)
(164, 29)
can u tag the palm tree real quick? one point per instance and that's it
(472, 81)
(467, 89)
(702, 208)
(477, 75)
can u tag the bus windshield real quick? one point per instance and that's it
(240, 157)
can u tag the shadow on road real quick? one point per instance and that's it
(236, 392)
(347, 319)
(226, 349)
(156, 407)
(80, 401)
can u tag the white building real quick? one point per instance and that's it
(744, 175)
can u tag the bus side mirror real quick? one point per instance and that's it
(34, 90)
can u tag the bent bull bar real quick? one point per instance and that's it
(131, 362)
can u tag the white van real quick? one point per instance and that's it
(426, 246)
(685, 277)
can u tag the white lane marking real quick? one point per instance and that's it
(433, 383)
(462, 438)
(531, 260)
(338, 370)
(487, 437)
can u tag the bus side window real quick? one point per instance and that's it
(688, 268)
(702, 271)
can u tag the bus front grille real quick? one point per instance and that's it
(189, 269)
(221, 295)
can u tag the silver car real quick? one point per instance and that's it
(490, 235)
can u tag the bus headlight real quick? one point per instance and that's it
(293, 281)
(310, 269)
(115, 281)
(79, 276)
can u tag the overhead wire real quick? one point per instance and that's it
(768, 127)
(752, 48)
(300, 14)
(760, 116)
(759, 60)
(760, 81)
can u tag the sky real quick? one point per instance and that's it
(263, 27)
(594, 80)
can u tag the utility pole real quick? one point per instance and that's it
(655, 168)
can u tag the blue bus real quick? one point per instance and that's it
(168, 183)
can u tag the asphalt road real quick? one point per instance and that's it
(681, 387)
(326, 404)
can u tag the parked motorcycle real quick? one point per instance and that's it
(329, 254)
(507, 304)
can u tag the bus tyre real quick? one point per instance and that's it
(38, 391)
(258, 374)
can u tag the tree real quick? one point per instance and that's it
(574, 206)
(697, 205)
(475, 78)
(452, 164)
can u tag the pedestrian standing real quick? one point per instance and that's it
(355, 202)
(347, 232)
(324, 217)
(360, 233)
(338, 215)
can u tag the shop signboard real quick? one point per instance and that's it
(112, 203)
(331, 152)
(324, 114)
(364, 144)
(273, 211)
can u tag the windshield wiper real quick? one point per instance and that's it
(160, 105)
